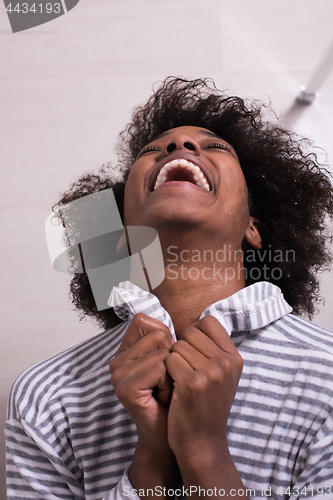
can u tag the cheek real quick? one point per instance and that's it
(132, 198)
(136, 179)
(240, 203)
(128, 202)
(129, 210)
(239, 192)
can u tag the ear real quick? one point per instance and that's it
(252, 236)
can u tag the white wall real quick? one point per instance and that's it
(67, 88)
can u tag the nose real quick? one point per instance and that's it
(181, 142)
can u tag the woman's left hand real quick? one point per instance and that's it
(205, 367)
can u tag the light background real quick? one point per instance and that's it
(67, 89)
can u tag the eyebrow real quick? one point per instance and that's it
(163, 134)
(208, 133)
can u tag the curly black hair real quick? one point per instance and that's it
(289, 190)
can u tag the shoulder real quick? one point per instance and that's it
(306, 334)
(294, 345)
(80, 365)
(291, 341)
(294, 357)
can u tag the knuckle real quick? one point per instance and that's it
(154, 360)
(188, 332)
(162, 354)
(116, 363)
(239, 361)
(178, 346)
(115, 380)
(171, 360)
(232, 366)
(137, 323)
(172, 356)
(112, 366)
(139, 318)
(161, 337)
(122, 391)
(210, 321)
(215, 373)
(160, 366)
(206, 320)
(198, 383)
(227, 365)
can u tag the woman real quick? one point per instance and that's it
(181, 405)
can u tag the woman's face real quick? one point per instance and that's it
(188, 177)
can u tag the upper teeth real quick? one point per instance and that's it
(198, 176)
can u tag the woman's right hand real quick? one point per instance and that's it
(141, 381)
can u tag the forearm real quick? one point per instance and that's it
(151, 469)
(143, 386)
(205, 367)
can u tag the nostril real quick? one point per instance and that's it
(171, 147)
(189, 145)
(182, 145)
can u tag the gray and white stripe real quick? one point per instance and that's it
(68, 437)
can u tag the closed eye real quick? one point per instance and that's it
(147, 149)
(217, 145)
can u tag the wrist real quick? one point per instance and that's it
(149, 446)
(151, 451)
(201, 460)
(212, 470)
(152, 466)
(204, 450)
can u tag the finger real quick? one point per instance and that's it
(140, 326)
(185, 361)
(154, 340)
(131, 390)
(164, 388)
(194, 358)
(142, 377)
(144, 371)
(147, 373)
(213, 329)
(200, 342)
(178, 367)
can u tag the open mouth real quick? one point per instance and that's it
(181, 170)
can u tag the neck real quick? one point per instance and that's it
(196, 276)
